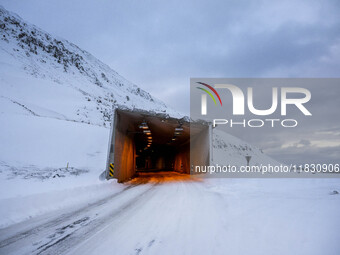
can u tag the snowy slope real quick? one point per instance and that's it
(51, 77)
(230, 150)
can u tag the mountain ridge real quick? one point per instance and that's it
(45, 56)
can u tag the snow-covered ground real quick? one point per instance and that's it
(34, 175)
(173, 214)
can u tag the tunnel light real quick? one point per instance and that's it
(150, 137)
(173, 139)
(178, 133)
(147, 132)
(178, 129)
(143, 125)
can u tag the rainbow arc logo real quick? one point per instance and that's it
(209, 93)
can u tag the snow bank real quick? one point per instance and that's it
(46, 142)
(66, 196)
(278, 216)
(34, 154)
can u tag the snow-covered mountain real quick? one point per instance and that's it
(59, 80)
(56, 103)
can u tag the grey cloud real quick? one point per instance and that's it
(304, 142)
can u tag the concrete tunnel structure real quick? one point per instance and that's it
(143, 141)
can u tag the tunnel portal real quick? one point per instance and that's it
(149, 142)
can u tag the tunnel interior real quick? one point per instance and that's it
(145, 142)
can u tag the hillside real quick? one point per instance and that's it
(57, 79)
(56, 103)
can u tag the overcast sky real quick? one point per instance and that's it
(159, 45)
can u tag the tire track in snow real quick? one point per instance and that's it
(64, 243)
(51, 226)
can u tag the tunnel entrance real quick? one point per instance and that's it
(142, 142)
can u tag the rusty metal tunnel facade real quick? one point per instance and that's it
(142, 141)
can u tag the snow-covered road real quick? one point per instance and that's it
(170, 213)
(105, 220)
(57, 232)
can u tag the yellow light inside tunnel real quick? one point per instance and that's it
(143, 125)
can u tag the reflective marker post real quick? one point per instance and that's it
(248, 159)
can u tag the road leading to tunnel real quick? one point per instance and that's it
(145, 217)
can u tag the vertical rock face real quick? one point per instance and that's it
(45, 60)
